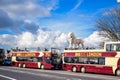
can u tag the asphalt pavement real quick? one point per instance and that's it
(15, 73)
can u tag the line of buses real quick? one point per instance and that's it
(104, 61)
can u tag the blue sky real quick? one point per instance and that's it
(78, 16)
(21, 16)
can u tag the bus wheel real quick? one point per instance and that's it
(19, 65)
(24, 66)
(82, 69)
(42, 66)
(74, 69)
(117, 73)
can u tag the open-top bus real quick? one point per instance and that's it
(32, 59)
(35, 59)
(105, 61)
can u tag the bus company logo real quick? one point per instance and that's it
(47, 54)
(95, 54)
(88, 54)
(19, 54)
(26, 54)
(30, 54)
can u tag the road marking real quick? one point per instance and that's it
(43, 74)
(7, 77)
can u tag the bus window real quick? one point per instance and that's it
(39, 59)
(101, 61)
(30, 59)
(110, 47)
(21, 59)
(117, 47)
(68, 59)
(47, 59)
(93, 61)
(82, 60)
(35, 59)
(75, 59)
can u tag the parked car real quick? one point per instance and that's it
(6, 62)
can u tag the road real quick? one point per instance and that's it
(15, 73)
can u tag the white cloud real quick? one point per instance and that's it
(8, 41)
(5, 20)
(41, 39)
(26, 39)
(94, 40)
(77, 5)
(118, 1)
(18, 16)
(51, 39)
(27, 8)
(46, 39)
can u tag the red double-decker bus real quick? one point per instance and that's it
(32, 59)
(36, 59)
(105, 61)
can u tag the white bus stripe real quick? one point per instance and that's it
(7, 77)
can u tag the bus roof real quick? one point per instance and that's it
(117, 42)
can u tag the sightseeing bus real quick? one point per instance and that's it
(36, 59)
(32, 59)
(104, 61)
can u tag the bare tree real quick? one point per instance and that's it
(109, 23)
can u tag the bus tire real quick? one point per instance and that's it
(19, 65)
(117, 72)
(74, 69)
(42, 66)
(24, 66)
(82, 69)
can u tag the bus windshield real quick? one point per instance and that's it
(113, 47)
